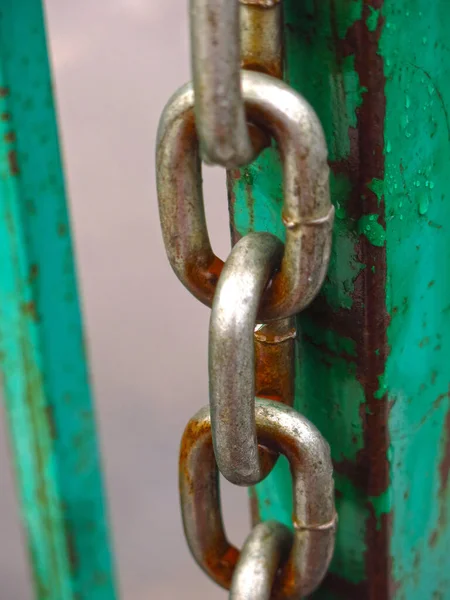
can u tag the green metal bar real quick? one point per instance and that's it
(42, 356)
(375, 346)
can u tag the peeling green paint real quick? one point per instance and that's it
(372, 19)
(368, 225)
(388, 272)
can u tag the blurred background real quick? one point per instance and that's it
(115, 64)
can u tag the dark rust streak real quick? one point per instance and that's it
(9, 137)
(368, 319)
(29, 309)
(13, 164)
(49, 413)
(345, 590)
(71, 548)
(444, 475)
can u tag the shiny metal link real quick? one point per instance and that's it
(219, 107)
(264, 552)
(232, 357)
(281, 429)
(216, 62)
(307, 210)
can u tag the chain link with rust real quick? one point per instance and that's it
(225, 117)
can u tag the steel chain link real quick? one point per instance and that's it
(215, 118)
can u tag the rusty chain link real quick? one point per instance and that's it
(224, 117)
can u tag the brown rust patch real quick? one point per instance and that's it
(71, 548)
(50, 414)
(9, 137)
(4, 92)
(29, 309)
(275, 361)
(13, 163)
(34, 271)
(203, 273)
(5, 116)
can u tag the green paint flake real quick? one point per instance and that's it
(382, 505)
(372, 19)
(377, 187)
(376, 234)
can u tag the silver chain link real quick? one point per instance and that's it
(215, 119)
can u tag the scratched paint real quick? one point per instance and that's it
(42, 356)
(372, 358)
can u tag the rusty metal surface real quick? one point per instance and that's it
(307, 213)
(282, 430)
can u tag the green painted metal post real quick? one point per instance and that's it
(374, 348)
(42, 357)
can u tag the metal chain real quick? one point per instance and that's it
(224, 117)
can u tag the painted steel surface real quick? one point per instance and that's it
(373, 348)
(42, 355)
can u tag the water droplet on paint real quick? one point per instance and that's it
(424, 203)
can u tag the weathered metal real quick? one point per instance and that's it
(244, 277)
(275, 360)
(42, 357)
(307, 213)
(220, 112)
(373, 372)
(265, 550)
(282, 430)
(262, 43)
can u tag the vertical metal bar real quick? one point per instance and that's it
(262, 50)
(42, 356)
(375, 345)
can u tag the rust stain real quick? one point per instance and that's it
(71, 548)
(49, 413)
(203, 272)
(62, 229)
(33, 391)
(367, 321)
(4, 91)
(275, 362)
(29, 309)
(9, 137)
(13, 163)
(34, 271)
(5, 116)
